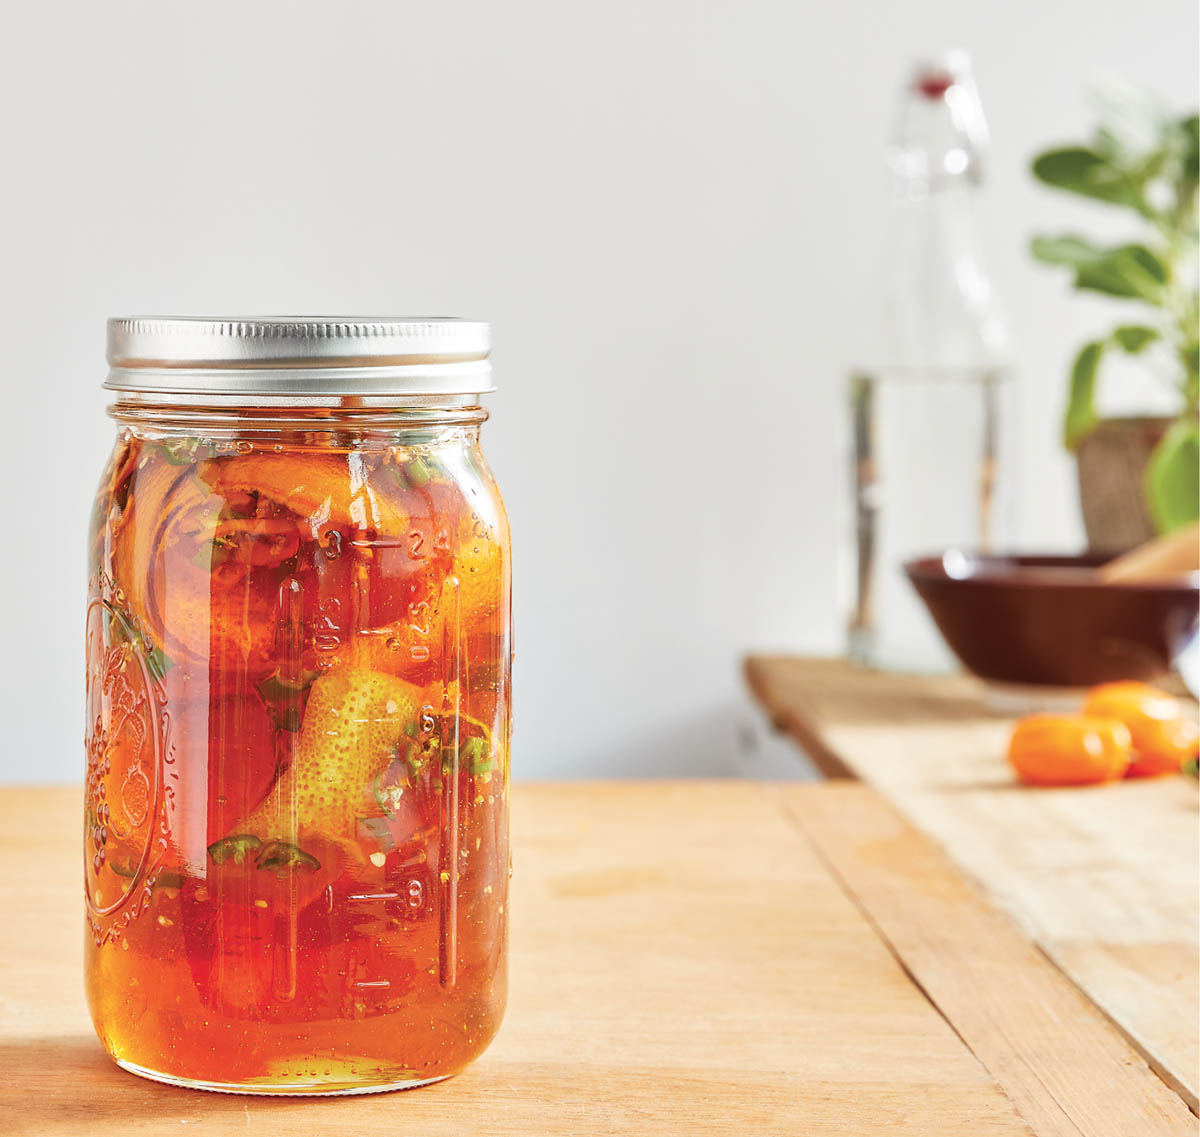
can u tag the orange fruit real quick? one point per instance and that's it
(1165, 736)
(1069, 750)
(353, 721)
(322, 488)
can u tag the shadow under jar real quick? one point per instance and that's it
(298, 659)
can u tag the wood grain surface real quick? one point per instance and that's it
(1104, 880)
(684, 961)
(687, 958)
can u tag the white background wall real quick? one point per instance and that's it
(670, 210)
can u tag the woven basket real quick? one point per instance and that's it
(1112, 465)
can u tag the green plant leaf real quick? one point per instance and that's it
(186, 450)
(1173, 477)
(1188, 140)
(1080, 170)
(158, 662)
(1068, 249)
(1134, 337)
(1131, 271)
(416, 470)
(1190, 129)
(284, 698)
(1146, 259)
(1120, 270)
(1080, 416)
(1190, 354)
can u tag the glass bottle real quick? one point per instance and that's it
(940, 307)
(927, 418)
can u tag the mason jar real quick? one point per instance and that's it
(298, 660)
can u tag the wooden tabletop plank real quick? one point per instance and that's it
(1104, 879)
(683, 961)
(1048, 1046)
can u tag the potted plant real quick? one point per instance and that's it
(1136, 475)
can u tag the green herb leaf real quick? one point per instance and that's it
(417, 472)
(287, 717)
(285, 699)
(1130, 271)
(283, 855)
(1189, 130)
(158, 663)
(414, 471)
(185, 451)
(1067, 249)
(478, 753)
(235, 848)
(1173, 477)
(1080, 416)
(1190, 354)
(1134, 337)
(1078, 169)
(418, 754)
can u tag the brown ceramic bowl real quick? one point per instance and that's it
(1048, 620)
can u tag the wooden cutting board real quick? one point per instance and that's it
(687, 958)
(1105, 880)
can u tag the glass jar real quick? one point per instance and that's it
(298, 659)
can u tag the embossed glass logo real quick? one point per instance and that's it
(124, 759)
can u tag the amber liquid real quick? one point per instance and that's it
(297, 794)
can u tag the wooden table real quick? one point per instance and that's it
(687, 958)
(1104, 880)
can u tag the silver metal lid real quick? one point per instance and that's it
(299, 355)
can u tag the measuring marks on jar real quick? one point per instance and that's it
(418, 637)
(404, 906)
(429, 637)
(397, 595)
(448, 867)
